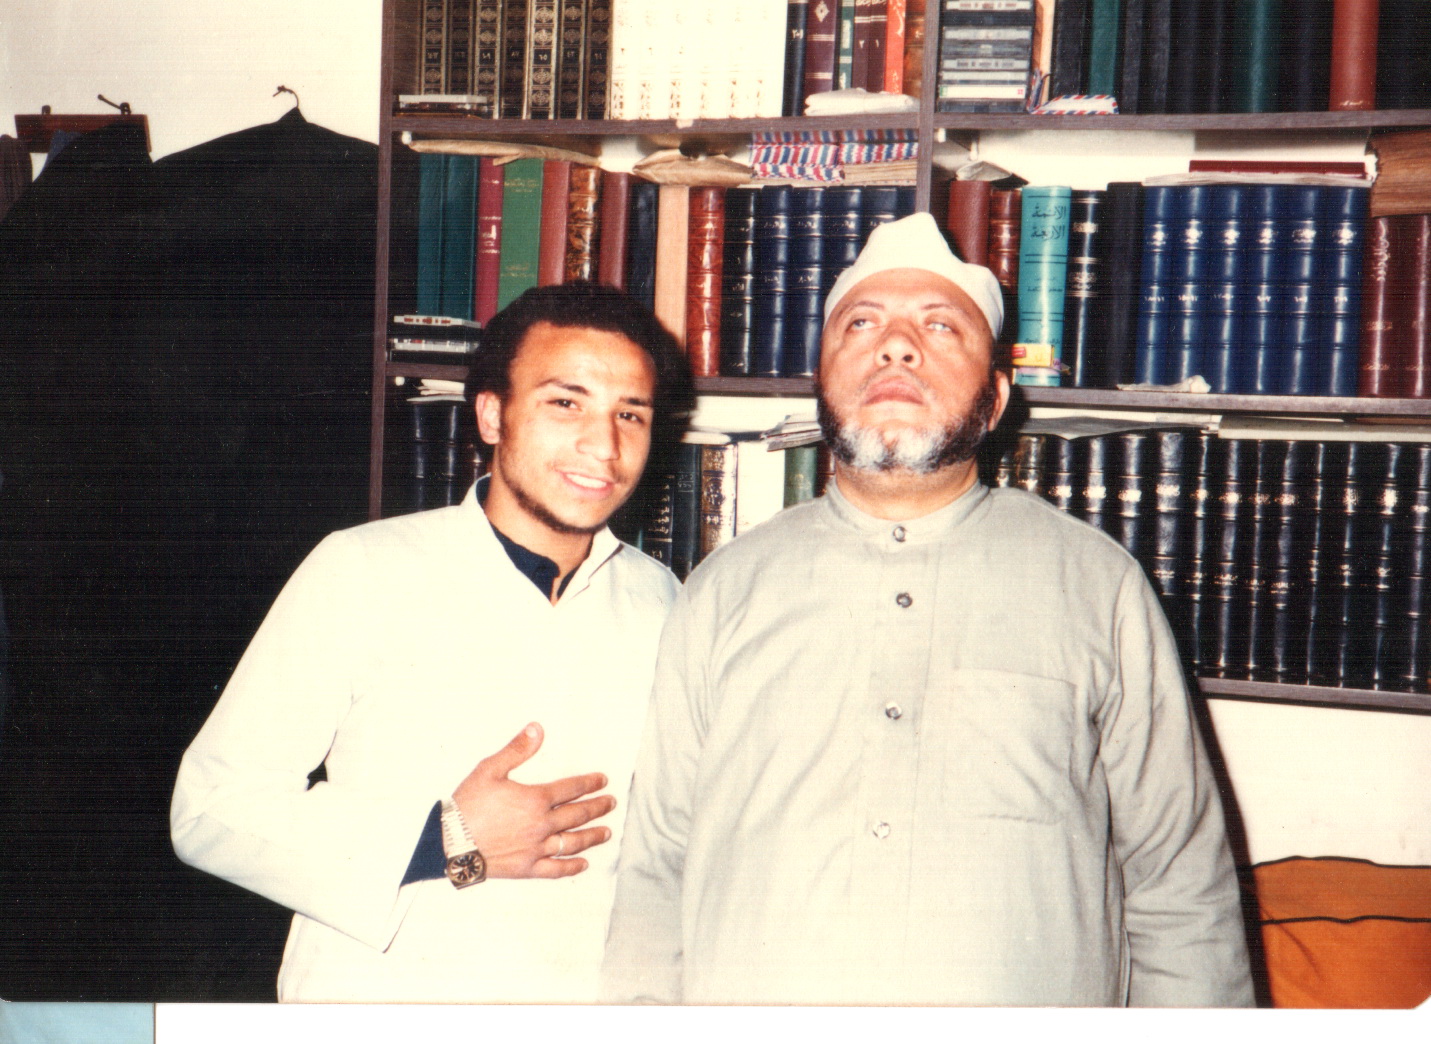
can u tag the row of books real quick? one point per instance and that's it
(650, 59)
(432, 454)
(1283, 560)
(739, 275)
(1180, 56)
(1258, 288)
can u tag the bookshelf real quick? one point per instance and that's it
(930, 126)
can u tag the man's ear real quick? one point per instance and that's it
(489, 417)
(1001, 393)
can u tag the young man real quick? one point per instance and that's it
(919, 741)
(403, 652)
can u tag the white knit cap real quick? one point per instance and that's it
(916, 242)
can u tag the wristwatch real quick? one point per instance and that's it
(465, 865)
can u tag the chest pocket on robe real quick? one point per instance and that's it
(1002, 745)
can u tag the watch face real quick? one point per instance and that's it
(466, 869)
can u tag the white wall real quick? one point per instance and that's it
(1309, 781)
(197, 68)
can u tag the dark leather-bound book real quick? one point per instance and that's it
(1130, 67)
(842, 207)
(1259, 601)
(489, 240)
(1129, 512)
(1304, 68)
(821, 48)
(1256, 42)
(1204, 479)
(570, 70)
(717, 496)
(796, 15)
(512, 61)
(967, 219)
(541, 59)
(1344, 569)
(1261, 317)
(1415, 553)
(1382, 625)
(583, 205)
(1091, 501)
(1223, 631)
(1153, 84)
(1071, 22)
(1403, 59)
(432, 54)
(879, 40)
(1155, 284)
(772, 265)
(1353, 58)
(486, 63)
(903, 200)
(1083, 349)
(1187, 57)
(613, 227)
(1060, 481)
(556, 206)
(1170, 515)
(737, 282)
(704, 256)
(1219, 59)
(1340, 287)
(1379, 312)
(805, 282)
(459, 47)
(656, 530)
(1284, 659)
(1326, 465)
(1029, 461)
(878, 204)
(641, 242)
(1005, 210)
(1121, 235)
(686, 510)
(1227, 280)
(1414, 263)
(596, 59)
(1301, 307)
(1190, 303)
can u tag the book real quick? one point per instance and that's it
(1222, 630)
(842, 211)
(1403, 178)
(1403, 55)
(967, 219)
(486, 56)
(1299, 302)
(1130, 66)
(432, 190)
(802, 474)
(1218, 60)
(705, 254)
(861, 34)
(1082, 347)
(821, 49)
(541, 60)
(1228, 278)
(458, 53)
(459, 237)
(805, 282)
(613, 227)
(793, 98)
(1159, 243)
(985, 55)
(1072, 20)
(1188, 51)
(570, 67)
(1116, 310)
(432, 52)
(878, 36)
(521, 229)
(1353, 58)
(1104, 20)
(641, 242)
(1191, 308)
(1379, 297)
(717, 486)
(583, 205)
(914, 49)
(1153, 85)
(686, 509)
(772, 264)
(490, 181)
(512, 61)
(556, 203)
(1304, 66)
(1256, 36)
(596, 59)
(738, 282)
(672, 239)
(1260, 322)
(1343, 210)
(895, 39)
(1043, 275)
(1414, 264)
(844, 43)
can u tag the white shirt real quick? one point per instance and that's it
(400, 654)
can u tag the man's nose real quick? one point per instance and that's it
(900, 344)
(601, 439)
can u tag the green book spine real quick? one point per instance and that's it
(1257, 26)
(1103, 36)
(459, 237)
(845, 56)
(802, 465)
(521, 229)
(431, 191)
(1043, 272)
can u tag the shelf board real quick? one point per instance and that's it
(417, 371)
(1276, 692)
(1226, 121)
(1317, 405)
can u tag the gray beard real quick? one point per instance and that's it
(922, 451)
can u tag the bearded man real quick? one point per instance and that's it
(921, 741)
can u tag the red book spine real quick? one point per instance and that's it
(821, 29)
(968, 219)
(1375, 377)
(1353, 64)
(1415, 265)
(612, 225)
(1005, 209)
(894, 47)
(704, 257)
(581, 222)
(551, 247)
(489, 240)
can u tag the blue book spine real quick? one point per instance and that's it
(1345, 243)
(772, 269)
(459, 237)
(1043, 273)
(1192, 303)
(1154, 287)
(1260, 372)
(804, 303)
(1081, 352)
(1227, 279)
(737, 282)
(841, 245)
(641, 242)
(1300, 291)
(879, 203)
(431, 190)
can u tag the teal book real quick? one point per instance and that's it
(431, 190)
(521, 229)
(1043, 279)
(1103, 46)
(459, 237)
(845, 54)
(1257, 43)
(802, 471)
